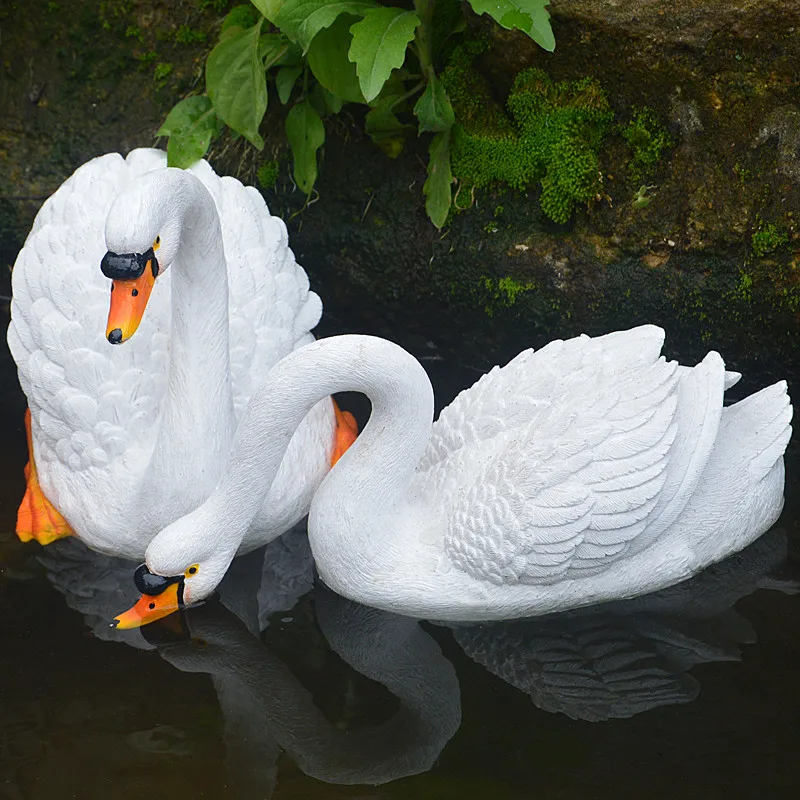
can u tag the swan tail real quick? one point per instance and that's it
(760, 427)
(346, 432)
(37, 517)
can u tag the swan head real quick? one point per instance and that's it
(143, 232)
(184, 564)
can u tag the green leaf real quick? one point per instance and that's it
(239, 17)
(385, 129)
(302, 20)
(379, 45)
(306, 133)
(284, 82)
(190, 126)
(269, 8)
(328, 60)
(237, 85)
(437, 186)
(271, 47)
(529, 16)
(433, 109)
(324, 101)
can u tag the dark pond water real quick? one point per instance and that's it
(282, 689)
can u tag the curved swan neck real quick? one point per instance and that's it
(197, 419)
(375, 471)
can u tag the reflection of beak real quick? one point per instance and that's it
(128, 302)
(150, 607)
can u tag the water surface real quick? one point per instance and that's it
(282, 689)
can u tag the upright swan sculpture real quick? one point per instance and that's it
(125, 439)
(588, 471)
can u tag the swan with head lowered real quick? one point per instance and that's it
(590, 470)
(128, 436)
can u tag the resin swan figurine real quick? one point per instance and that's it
(127, 438)
(623, 658)
(588, 471)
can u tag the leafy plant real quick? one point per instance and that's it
(317, 55)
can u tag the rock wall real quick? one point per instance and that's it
(713, 255)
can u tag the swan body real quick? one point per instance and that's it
(128, 438)
(588, 471)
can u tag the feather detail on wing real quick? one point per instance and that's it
(593, 448)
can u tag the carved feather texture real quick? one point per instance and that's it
(570, 458)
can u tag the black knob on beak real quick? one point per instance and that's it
(115, 336)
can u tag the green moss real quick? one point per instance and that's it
(186, 35)
(547, 132)
(648, 139)
(268, 174)
(504, 292)
(768, 238)
(162, 71)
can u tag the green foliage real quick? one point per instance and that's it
(768, 238)
(306, 133)
(648, 138)
(321, 54)
(190, 127)
(236, 82)
(529, 16)
(379, 46)
(548, 132)
(437, 188)
(329, 62)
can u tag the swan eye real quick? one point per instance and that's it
(192, 570)
(157, 243)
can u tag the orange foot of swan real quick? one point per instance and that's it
(37, 517)
(346, 433)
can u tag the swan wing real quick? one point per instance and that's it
(271, 309)
(596, 465)
(90, 403)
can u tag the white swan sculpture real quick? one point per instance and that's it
(588, 471)
(126, 439)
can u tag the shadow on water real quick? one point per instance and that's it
(279, 688)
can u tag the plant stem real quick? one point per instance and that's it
(410, 93)
(422, 38)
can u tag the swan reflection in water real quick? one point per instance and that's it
(610, 661)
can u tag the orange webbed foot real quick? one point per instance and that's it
(346, 433)
(37, 517)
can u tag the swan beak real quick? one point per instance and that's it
(128, 302)
(149, 608)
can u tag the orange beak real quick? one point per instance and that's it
(150, 607)
(128, 302)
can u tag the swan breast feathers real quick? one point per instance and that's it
(93, 403)
(571, 458)
(89, 400)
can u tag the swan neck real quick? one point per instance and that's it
(197, 418)
(374, 473)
